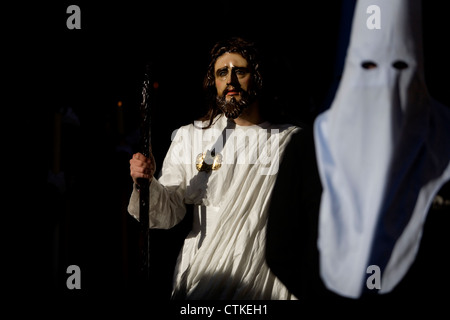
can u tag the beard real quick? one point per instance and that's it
(233, 108)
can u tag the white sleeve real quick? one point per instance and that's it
(167, 205)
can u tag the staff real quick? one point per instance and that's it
(144, 195)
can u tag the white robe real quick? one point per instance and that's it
(223, 257)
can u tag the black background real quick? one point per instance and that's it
(89, 70)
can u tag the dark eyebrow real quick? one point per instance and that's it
(221, 69)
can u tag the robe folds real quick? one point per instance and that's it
(223, 256)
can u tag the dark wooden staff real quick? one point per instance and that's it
(144, 184)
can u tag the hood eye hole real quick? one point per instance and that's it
(368, 65)
(400, 65)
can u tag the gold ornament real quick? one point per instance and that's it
(207, 161)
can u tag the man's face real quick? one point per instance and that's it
(232, 76)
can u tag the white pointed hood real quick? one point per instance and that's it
(383, 151)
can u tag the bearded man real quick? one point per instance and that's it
(225, 165)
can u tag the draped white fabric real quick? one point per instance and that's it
(223, 255)
(383, 151)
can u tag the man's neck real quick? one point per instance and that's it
(250, 116)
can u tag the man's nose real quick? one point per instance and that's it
(232, 78)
